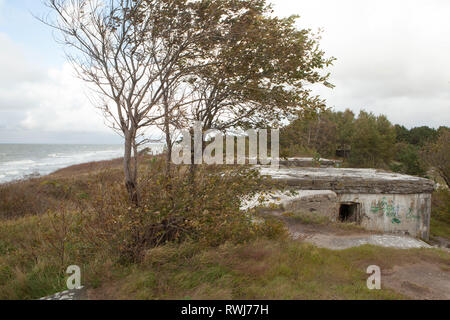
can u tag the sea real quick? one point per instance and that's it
(19, 161)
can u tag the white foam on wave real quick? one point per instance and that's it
(60, 158)
(57, 155)
(12, 173)
(19, 163)
(17, 169)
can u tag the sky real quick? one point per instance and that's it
(392, 59)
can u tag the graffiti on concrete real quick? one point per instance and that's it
(410, 215)
(388, 208)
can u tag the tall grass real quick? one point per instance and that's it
(185, 241)
(86, 219)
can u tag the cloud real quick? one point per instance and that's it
(392, 59)
(392, 55)
(45, 102)
(14, 66)
(62, 105)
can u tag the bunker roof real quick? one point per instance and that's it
(353, 181)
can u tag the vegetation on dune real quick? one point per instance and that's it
(175, 232)
(180, 244)
(68, 187)
(437, 155)
(263, 269)
(94, 224)
(440, 214)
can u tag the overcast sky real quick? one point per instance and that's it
(392, 58)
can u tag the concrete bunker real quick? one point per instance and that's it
(375, 199)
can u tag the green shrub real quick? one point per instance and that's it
(440, 213)
(173, 210)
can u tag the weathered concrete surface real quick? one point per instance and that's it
(350, 181)
(332, 236)
(378, 200)
(346, 242)
(309, 162)
(407, 214)
(319, 201)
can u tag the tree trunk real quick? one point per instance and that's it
(168, 142)
(130, 169)
(192, 166)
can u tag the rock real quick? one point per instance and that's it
(76, 294)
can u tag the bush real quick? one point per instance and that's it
(174, 210)
(91, 223)
(440, 213)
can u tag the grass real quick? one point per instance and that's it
(261, 269)
(41, 235)
(307, 218)
(34, 253)
(312, 219)
(34, 257)
(65, 187)
(23, 273)
(82, 216)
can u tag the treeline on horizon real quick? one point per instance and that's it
(365, 141)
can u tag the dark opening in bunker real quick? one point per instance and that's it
(348, 212)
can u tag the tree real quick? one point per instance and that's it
(373, 141)
(171, 63)
(186, 33)
(402, 134)
(422, 135)
(409, 160)
(345, 128)
(437, 155)
(314, 131)
(134, 53)
(259, 70)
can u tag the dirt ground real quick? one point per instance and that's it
(421, 281)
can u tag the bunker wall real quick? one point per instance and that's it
(394, 213)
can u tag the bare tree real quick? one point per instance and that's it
(123, 49)
(225, 63)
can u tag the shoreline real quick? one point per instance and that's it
(22, 162)
(79, 166)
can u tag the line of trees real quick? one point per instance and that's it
(229, 64)
(368, 141)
